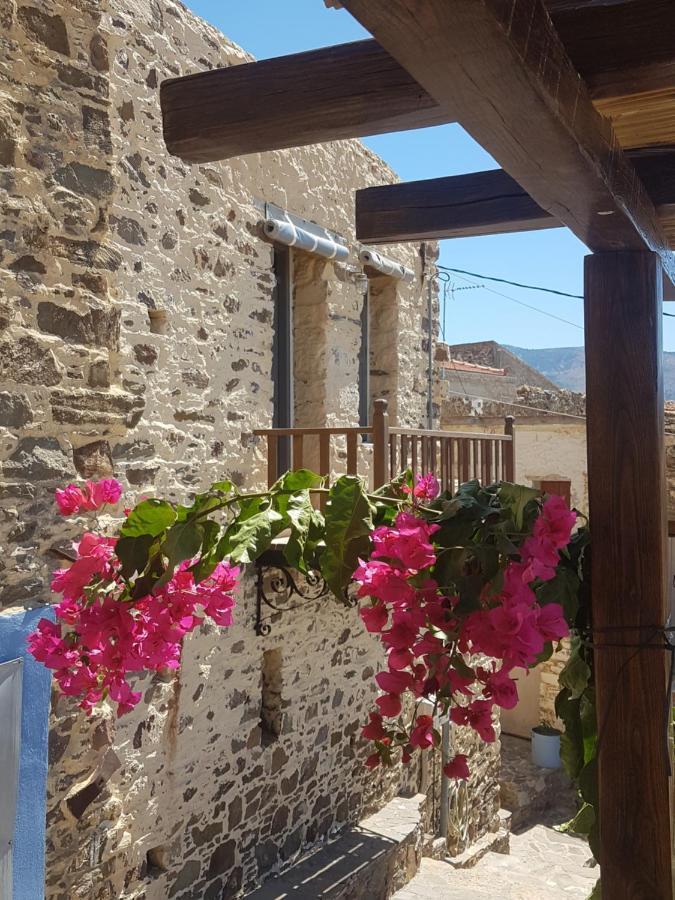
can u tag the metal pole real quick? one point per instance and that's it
(445, 781)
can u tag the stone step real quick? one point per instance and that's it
(492, 842)
(542, 865)
(532, 794)
(370, 860)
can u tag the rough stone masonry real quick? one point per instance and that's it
(136, 330)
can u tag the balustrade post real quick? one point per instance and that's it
(510, 449)
(380, 442)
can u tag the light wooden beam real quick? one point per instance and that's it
(627, 493)
(349, 90)
(504, 72)
(487, 203)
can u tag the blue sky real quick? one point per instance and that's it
(551, 258)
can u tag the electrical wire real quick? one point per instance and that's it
(537, 409)
(543, 312)
(546, 412)
(529, 287)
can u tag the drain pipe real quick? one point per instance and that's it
(430, 354)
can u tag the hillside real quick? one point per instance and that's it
(565, 366)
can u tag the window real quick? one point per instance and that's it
(563, 488)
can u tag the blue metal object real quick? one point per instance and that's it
(28, 856)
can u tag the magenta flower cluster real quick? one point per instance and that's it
(461, 663)
(101, 637)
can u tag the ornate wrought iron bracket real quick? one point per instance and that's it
(280, 589)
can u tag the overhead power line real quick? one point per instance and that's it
(528, 287)
(545, 412)
(542, 312)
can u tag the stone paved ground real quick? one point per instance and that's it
(541, 864)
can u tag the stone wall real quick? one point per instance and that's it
(137, 304)
(136, 328)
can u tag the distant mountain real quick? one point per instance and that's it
(565, 367)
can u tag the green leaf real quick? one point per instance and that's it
(576, 674)
(349, 522)
(251, 533)
(209, 557)
(149, 517)
(300, 511)
(133, 553)
(300, 480)
(563, 589)
(516, 497)
(572, 740)
(589, 723)
(582, 822)
(183, 541)
(222, 487)
(588, 782)
(545, 655)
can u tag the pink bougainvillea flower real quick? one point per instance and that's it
(382, 581)
(407, 543)
(374, 617)
(374, 730)
(457, 767)
(390, 705)
(373, 761)
(108, 490)
(70, 500)
(95, 494)
(478, 715)
(394, 682)
(422, 735)
(93, 557)
(551, 622)
(501, 689)
(427, 487)
(555, 522)
(399, 659)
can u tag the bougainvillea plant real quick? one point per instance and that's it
(460, 589)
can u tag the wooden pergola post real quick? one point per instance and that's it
(627, 512)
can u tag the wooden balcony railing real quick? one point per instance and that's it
(453, 456)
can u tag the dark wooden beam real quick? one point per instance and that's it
(353, 90)
(609, 45)
(504, 72)
(485, 203)
(555, 6)
(457, 206)
(350, 90)
(627, 493)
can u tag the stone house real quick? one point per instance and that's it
(142, 333)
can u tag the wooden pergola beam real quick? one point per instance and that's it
(357, 89)
(457, 206)
(350, 90)
(503, 70)
(482, 203)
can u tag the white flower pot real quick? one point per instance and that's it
(546, 749)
